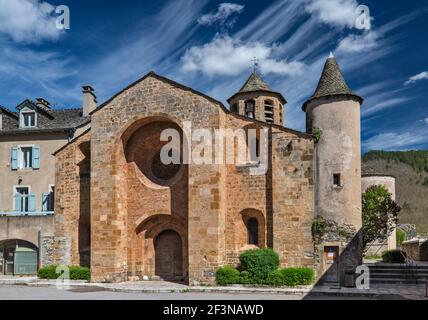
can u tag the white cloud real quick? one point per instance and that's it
(359, 43)
(397, 141)
(416, 78)
(339, 13)
(228, 56)
(426, 120)
(28, 21)
(224, 12)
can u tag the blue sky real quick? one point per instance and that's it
(208, 45)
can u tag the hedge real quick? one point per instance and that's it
(275, 278)
(227, 275)
(297, 276)
(259, 263)
(76, 272)
(394, 256)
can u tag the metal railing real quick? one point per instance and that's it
(26, 214)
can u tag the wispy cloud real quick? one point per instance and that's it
(28, 21)
(407, 140)
(227, 56)
(224, 16)
(416, 78)
(425, 120)
(359, 43)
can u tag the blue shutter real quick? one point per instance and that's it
(45, 201)
(32, 202)
(36, 157)
(15, 158)
(18, 202)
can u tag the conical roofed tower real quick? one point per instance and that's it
(257, 100)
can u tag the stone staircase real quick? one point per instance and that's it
(397, 273)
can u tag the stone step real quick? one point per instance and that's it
(385, 270)
(395, 281)
(399, 275)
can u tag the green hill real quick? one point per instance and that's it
(411, 171)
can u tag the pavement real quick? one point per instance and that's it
(160, 288)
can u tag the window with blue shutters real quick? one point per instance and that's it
(22, 199)
(45, 201)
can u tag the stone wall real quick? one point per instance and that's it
(72, 205)
(416, 249)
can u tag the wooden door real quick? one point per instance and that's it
(168, 255)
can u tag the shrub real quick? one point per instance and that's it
(275, 278)
(48, 272)
(76, 273)
(227, 275)
(297, 276)
(259, 263)
(394, 256)
(401, 236)
(245, 277)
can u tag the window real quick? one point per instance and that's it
(249, 108)
(28, 119)
(48, 199)
(253, 231)
(25, 157)
(22, 199)
(254, 150)
(269, 111)
(234, 107)
(336, 180)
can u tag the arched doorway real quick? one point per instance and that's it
(169, 255)
(18, 257)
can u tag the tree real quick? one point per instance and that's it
(380, 215)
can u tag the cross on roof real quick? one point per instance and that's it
(255, 64)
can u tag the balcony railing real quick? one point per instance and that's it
(26, 214)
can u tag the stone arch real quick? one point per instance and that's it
(149, 230)
(154, 194)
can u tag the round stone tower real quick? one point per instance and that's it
(256, 100)
(333, 117)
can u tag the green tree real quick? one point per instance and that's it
(380, 214)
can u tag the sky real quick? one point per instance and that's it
(210, 45)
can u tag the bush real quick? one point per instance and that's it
(245, 277)
(259, 263)
(76, 273)
(394, 256)
(227, 275)
(401, 236)
(275, 278)
(48, 272)
(297, 276)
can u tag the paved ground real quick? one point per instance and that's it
(18, 292)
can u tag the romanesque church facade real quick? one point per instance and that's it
(121, 211)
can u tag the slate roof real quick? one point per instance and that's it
(332, 83)
(52, 120)
(254, 83)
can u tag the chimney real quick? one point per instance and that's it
(89, 100)
(42, 103)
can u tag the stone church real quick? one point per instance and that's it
(121, 211)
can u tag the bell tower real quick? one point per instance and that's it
(256, 100)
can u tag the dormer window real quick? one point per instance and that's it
(28, 119)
